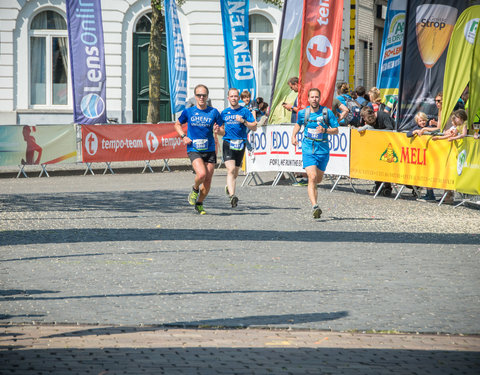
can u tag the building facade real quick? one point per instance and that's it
(35, 85)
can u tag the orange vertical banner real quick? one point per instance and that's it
(320, 48)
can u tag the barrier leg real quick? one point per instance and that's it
(399, 192)
(165, 165)
(89, 169)
(351, 185)
(277, 178)
(335, 184)
(108, 168)
(257, 176)
(21, 171)
(379, 190)
(247, 177)
(147, 165)
(44, 170)
(443, 198)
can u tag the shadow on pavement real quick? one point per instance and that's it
(165, 201)
(28, 237)
(233, 360)
(233, 323)
(152, 294)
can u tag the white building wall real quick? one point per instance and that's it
(201, 25)
(8, 14)
(364, 49)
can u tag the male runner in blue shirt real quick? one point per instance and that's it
(237, 120)
(202, 121)
(315, 148)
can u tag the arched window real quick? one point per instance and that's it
(144, 24)
(261, 47)
(48, 60)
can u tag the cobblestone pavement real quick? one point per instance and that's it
(155, 350)
(126, 250)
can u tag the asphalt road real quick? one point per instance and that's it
(127, 249)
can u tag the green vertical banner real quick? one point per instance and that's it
(474, 92)
(287, 61)
(460, 56)
(468, 167)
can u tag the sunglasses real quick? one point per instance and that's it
(201, 95)
(438, 101)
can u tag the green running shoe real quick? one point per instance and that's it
(234, 200)
(316, 212)
(192, 197)
(199, 208)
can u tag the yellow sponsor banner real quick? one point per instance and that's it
(468, 166)
(392, 157)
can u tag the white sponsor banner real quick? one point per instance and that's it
(273, 151)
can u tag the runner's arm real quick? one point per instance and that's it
(295, 131)
(179, 129)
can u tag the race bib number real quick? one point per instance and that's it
(200, 144)
(313, 134)
(237, 144)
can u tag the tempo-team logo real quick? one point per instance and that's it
(91, 143)
(152, 141)
(319, 51)
(92, 106)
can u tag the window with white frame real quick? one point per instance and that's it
(261, 48)
(48, 60)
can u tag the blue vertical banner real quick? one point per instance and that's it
(240, 73)
(177, 63)
(87, 61)
(388, 78)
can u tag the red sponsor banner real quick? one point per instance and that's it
(320, 49)
(106, 143)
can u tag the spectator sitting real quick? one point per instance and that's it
(379, 120)
(421, 120)
(434, 124)
(458, 129)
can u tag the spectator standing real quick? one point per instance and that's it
(247, 100)
(360, 90)
(340, 110)
(293, 84)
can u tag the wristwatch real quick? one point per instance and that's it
(183, 136)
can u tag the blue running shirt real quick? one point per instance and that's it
(200, 127)
(310, 129)
(233, 128)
